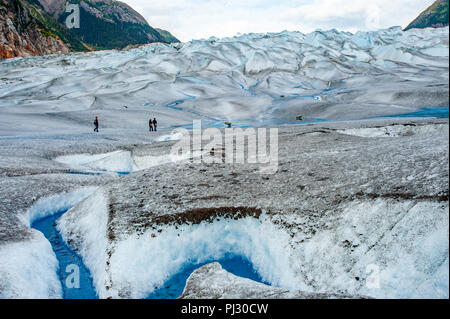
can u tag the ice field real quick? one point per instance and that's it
(255, 79)
(358, 205)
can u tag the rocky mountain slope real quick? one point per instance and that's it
(37, 27)
(22, 34)
(106, 24)
(434, 16)
(168, 37)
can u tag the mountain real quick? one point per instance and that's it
(36, 27)
(168, 37)
(434, 16)
(106, 24)
(25, 31)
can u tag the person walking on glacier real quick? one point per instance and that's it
(150, 125)
(96, 124)
(155, 123)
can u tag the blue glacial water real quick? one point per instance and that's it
(236, 265)
(66, 256)
(97, 173)
(423, 112)
(170, 290)
(438, 112)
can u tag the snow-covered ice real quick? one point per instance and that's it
(28, 269)
(261, 78)
(396, 130)
(120, 161)
(140, 263)
(361, 188)
(31, 267)
(49, 205)
(330, 212)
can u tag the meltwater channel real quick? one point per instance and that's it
(171, 289)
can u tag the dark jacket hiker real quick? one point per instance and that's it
(96, 124)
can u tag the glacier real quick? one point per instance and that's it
(361, 186)
(254, 78)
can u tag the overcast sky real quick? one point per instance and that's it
(197, 19)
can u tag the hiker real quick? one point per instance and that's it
(155, 124)
(150, 125)
(96, 124)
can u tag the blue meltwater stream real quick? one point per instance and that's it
(171, 289)
(66, 256)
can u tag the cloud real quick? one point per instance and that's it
(195, 19)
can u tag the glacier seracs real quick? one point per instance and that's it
(258, 78)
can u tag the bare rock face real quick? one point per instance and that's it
(113, 9)
(20, 35)
(53, 6)
(37, 27)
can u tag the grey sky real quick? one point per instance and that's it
(196, 19)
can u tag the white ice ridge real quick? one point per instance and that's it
(124, 161)
(396, 130)
(240, 78)
(118, 161)
(48, 206)
(29, 269)
(90, 224)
